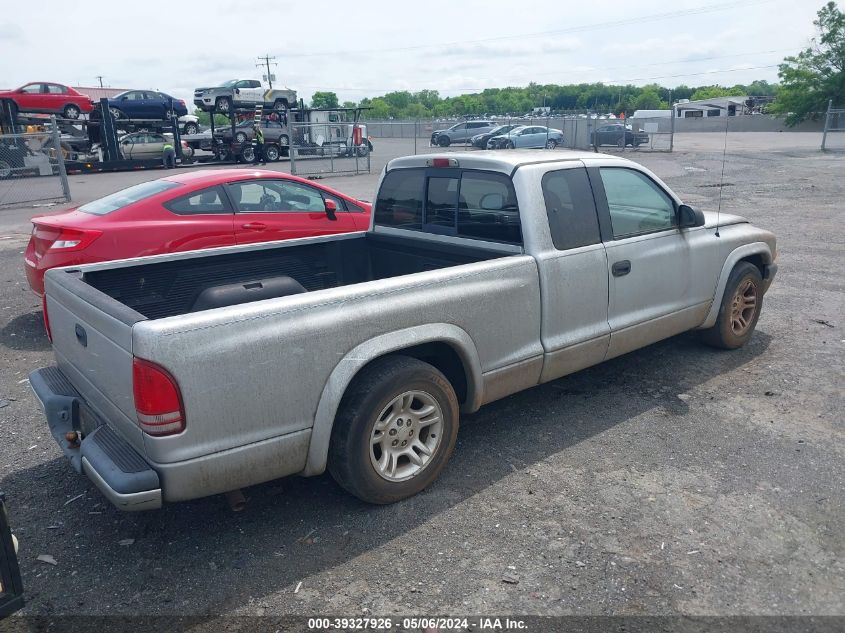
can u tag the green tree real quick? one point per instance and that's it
(350, 104)
(714, 92)
(324, 100)
(816, 74)
(649, 99)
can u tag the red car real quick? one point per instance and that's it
(49, 98)
(190, 211)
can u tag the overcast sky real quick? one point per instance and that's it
(367, 49)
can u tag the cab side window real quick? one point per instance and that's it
(637, 205)
(573, 221)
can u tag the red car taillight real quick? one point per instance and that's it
(158, 403)
(56, 238)
(46, 317)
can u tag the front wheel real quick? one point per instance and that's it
(223, 104)
(444, 141)
(280, 105)
(620, 143)
(510, 145)
(5, 169)
(395, 430)
(240, 137)
(740, 309)
(551, 144)
(192, 128)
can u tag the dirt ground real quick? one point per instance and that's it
(674, 480)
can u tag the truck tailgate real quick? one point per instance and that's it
(92, 343)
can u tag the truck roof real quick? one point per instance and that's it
(498, 160)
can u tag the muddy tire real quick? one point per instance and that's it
(395, 430)
(740, 309)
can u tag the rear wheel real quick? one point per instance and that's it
(71, 111)
(620, 143)
(247, 155)
(280, 105)
(395, 430)
(272, 152)
(740, 309)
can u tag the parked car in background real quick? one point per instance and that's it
(618, 134)
(142, 145)
(189, 211)
(145, 104)
(190, 124)
(242, 93)
(480, 140)
(460, 132)
(276, 139)
(527, 136)
(49, 98)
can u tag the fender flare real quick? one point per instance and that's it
(755, 248)
(369, 350)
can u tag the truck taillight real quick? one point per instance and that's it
(158, 403)
(46, 317)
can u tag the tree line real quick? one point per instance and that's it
(597, 97)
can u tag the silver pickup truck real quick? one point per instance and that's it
(191, 374)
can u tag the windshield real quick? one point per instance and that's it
(126, 197)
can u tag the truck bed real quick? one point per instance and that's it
(162, 289)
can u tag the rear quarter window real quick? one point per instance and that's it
(125, 197)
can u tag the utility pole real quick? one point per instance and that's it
(265, 62)
(100, 78)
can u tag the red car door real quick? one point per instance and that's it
(29, 97)
(271, 209)
(196, 220)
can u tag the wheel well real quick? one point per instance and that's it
(757, 260)
(442, 356)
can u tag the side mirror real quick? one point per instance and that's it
(331, 208)
(689, 217)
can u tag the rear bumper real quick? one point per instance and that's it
(769, 272)
(121, 474)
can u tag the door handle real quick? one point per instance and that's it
(254, 226)
(622, 268)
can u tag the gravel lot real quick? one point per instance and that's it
(674, 480)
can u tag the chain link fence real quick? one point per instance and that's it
(329, 148)
(583, 131)
(834, 126)
(32, 168)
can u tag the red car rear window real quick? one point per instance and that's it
(127, 196)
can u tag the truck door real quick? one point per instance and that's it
(249, 91)
(573, 273)
(269, 210)
(654, 291)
